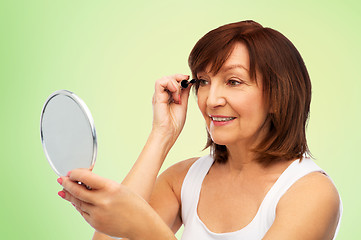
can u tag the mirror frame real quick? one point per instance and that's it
(86, 113)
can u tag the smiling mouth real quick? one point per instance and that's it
(221, 119)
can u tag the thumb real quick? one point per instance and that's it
(185, 96)
(87, 177)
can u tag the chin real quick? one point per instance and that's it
(222, 140)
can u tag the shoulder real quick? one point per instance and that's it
(175, 174)
(312, 203)
(165, 198)
(316, 188)
(178, 171)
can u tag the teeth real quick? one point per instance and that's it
(219, 119)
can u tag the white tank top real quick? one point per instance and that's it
(195, 229)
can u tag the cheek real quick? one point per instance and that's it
(202, 105)
(256, 110)
(250, 105)
(201, 100)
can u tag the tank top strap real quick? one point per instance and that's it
(296, 170)
(192, 185)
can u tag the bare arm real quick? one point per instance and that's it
(112, 208)
(169, 115)
(168, 121)
(308, 211)
(166, 196)
(143, 175)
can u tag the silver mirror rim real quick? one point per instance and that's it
(86, 112)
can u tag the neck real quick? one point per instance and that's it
(242, 161)
(241, 158)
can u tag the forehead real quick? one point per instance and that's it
(238, 58)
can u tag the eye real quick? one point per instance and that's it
(234, 82)
(202, 82)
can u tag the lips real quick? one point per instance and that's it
(218, 118)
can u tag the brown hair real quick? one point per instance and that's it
(286, 85)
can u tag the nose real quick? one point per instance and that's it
(216, 97)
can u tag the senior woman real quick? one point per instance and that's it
(258, 182)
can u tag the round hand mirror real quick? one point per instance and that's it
(67, 133)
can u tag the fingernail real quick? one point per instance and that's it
(68, 175)
(61, 194)
(60, 181)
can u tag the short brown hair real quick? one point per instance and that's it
(286, 85)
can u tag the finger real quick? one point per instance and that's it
(85, 211)
(77, 203)
(84, 214)
(164, 86)
(174, 90)
(87, 217)
(169, 84)
(185, 96)
(78, 191)
(179, 78)
(82, 207)
(87, 177)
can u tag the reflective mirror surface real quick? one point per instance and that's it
(67, 133)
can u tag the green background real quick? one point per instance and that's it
(110, 53)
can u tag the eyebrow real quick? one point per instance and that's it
(227, 68)
(230, 67)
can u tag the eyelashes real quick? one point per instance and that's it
(202, 82)
(233, 82)
(230, 82)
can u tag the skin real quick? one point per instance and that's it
(137, 187)
(145, 206)
(232, 93)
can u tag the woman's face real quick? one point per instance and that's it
(231, 102)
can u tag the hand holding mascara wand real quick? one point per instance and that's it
(184, 84)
